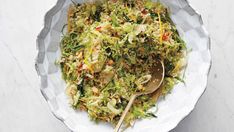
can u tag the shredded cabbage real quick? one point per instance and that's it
(107, 54)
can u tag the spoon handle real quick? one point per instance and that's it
(133, 97)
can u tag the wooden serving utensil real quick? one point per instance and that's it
(155, 82)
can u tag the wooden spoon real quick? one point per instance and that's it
(156, 80)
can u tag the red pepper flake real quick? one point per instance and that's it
(165, 36)
(98, 28)
(79, 68)
(144, 11)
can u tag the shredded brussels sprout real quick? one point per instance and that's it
(107, 54)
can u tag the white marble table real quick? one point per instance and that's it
(23, 109)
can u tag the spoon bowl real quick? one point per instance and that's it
(155, 82)
(157, 78)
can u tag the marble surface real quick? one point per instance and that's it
(23, 109)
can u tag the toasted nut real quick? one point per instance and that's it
(95, 90)
(110, 62)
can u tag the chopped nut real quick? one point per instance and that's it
(95, 90)
(73, 91)
(110, 62)
(71, 57)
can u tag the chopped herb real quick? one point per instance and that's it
(152, 115)
(80, 87)
(107, 54)
(127, 18)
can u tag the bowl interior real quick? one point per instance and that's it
(172, 109)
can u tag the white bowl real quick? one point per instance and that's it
(171, 110)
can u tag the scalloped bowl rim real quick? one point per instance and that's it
(47, 24)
